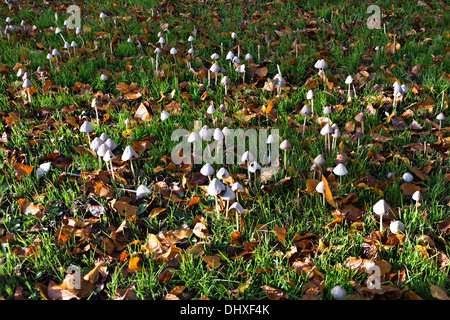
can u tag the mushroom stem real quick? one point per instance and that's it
(99, 162)
(217, 206)
(112, 171)
(323, 200)
(284, 159)
(89, 138)
(237, 220)
(304, 125)
(381, 223)
(132, 169)
(228, 206)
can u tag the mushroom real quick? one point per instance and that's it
(248, 57)
(321, 65)
(361, 118)
(215, 69)
(285, 146)
(207, 170)
(338, 293)
(27, 85)
(157, 51)
(142, 191)
(87, 127)
(228, 195)
(103, 77)
(211, 110)
(340, 170)
(191, 39)
(320, 161)
(55, 53)
(230, 57)
(359, 135)
(128, 155)
(336, 134)
(173, 52)
(310, 96)
(73, 44)
(101, 151)
(417, 197)
(441, 118)
(305, 112)
(237, 188)
(49, 58)
(269, 141)
(247, 157)
(67, 47)
(111, 144)
(205, 133)
(236, 206)
(279, 81)
(349, 81)
(327, 112)
(225, 82)
(326, 131)
(396, 227)
(407, 177)
(222, 173)
(95, 104)
(108, 157)
(94, 146)
(215, 187)
(218, 134)
(241, 70)
(253, 167)
(164, 115)
(320, 188)
(59, 31)
(381, 208)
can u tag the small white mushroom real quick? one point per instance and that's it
(108, 157)
(381, 208)
(87, 127)
(164, 115)
(142, 191)
(222, 173)
(396, 227)
(340, 170)
(207, 170)
(128, 155)
(215, 187)
(285, 146)
(320, 188)
(407, 177)
(338, 293)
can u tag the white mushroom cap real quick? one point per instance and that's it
(110, 143)
(73, 44)
(20, 73)
(207, 170)
(247, 156)
(319, 160)
(236, 60)
(320, 188)
(222, 173)
(226, 132)
(321, 64)
(440, 117)
(270, 139)
(191, 38)
(215, 56)
(102, 150)
(348, 80)
(237, 206)
(237, 187)
(396, 227)
(417, 196)
(191, 51)
(404, 88)
(248, 57)
(27, 84)
(8, 20)
(279, 80)
(338, 293)
(95, 144)
(306, 111)
(129, 40)
(215, 187)
(86, 127)
(211, 109)
(104, 136)
(128, 154)
(103, 77)
(205, 133)
(193, 136)
(229, 56)
(310, 95)
(381, 207)
(241, 68)
(407, 177)
(253, 166)
(228, 194)
(102, 15)
(157, 50)
(327, 110)
(164, 115)
(326, 129)
(161, 40)
(142, 191)
(55, 52)
(43, 169)
(218, 134)
(108, 156)
(58, 30)
(340, 170)
(66, 45)
(214, 68)
(78, 31)
(49, 56)
(285, 145)
(173, 51)
(225, 81)
(233, 35)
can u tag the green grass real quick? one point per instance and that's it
(346, 43)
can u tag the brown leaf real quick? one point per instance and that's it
(142, 113)
(281, 233)
(438, 293)
(212, 261)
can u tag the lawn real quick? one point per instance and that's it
(63, 207)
